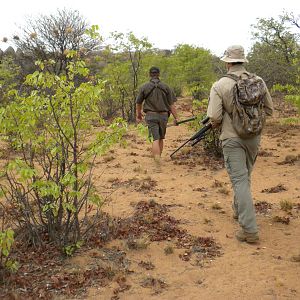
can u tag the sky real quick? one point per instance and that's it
(213, 25)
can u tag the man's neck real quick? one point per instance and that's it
(238, 67)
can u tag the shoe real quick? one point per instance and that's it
(295, 258)
(247, 237)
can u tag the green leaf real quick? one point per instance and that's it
(68, 179)
(70, 207)
(96, 200)
(12, 265)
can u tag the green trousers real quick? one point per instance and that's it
(239, 157)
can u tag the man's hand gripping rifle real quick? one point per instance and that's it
(198, 136)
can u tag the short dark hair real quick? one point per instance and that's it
(154, 70)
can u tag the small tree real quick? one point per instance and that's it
(278, 42)
(127, 52)
(194, 67)
(118, 97)
(52, 36)
(271, 65)
(275, 50)
(50, 183)
(277, 34)
(9, 73)
(170, 70)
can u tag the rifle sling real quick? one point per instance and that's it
(235, 78)
(155, 86)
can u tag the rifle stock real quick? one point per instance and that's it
(198, 136)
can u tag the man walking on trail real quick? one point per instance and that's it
(240, 145)
(158, 102)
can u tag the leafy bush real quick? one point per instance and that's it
(49, 186)
(276, 48)
(125, 60)
(194, 66)
(211, 141)
(295, 99)
(292, 91)
(9, 72)
(6, 242)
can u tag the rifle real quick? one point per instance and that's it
(183, 121)
(198, 136)
(187, 120)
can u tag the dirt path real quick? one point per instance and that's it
(200, 197)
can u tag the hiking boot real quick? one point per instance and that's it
(247, 237)
(295, 258)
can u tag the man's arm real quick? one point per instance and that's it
(139, 101)
(172, 99)
(174, 113)
(139, 115)
(215, 107)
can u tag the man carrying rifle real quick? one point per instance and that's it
(241, 123)
(158, 102)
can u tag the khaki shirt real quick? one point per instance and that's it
(159, 100)
(221, 102)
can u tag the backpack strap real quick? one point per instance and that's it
(155, 85)
(235, 78)
(163, 90)
(232, 76)
(150, 92)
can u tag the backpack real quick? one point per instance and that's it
(248, 115)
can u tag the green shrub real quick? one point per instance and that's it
(49, 181)
(211, 141)
(6, 242)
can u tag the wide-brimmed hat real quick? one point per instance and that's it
(234, 53)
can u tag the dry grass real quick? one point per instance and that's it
(223, 190)
(169, 250)
(216, 206)
(286, 205)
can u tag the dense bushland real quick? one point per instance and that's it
(58, 114)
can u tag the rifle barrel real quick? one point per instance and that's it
(201, 135)
(198, 136)
(180, 147)
(187, 120)
(200, 132)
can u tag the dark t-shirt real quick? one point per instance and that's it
(157, 96)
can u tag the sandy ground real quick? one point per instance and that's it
(200, 197)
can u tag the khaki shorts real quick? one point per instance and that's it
(157, 125)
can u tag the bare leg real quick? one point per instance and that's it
(161, 146)
(156, 148)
